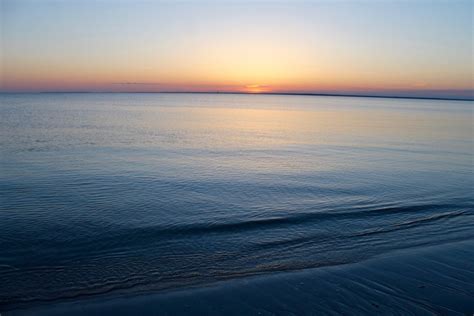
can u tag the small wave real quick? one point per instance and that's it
(301, 218)
(410, 223)
(148, 234)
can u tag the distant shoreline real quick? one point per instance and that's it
(260, 93)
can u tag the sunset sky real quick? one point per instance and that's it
(415, 48)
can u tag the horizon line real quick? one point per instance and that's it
(260, 93)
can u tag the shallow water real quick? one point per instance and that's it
(109, 193)
(431, 281)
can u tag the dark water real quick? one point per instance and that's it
(112, 193)
(421, 281)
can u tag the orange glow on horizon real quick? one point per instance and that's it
(255, 88)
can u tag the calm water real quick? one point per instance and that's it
(112, 193)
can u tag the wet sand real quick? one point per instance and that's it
(436, 280)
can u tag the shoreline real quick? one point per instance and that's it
(256, 93)
(422, 280)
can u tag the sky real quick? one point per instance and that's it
(409, 47)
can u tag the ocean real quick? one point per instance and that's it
(108, 194)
